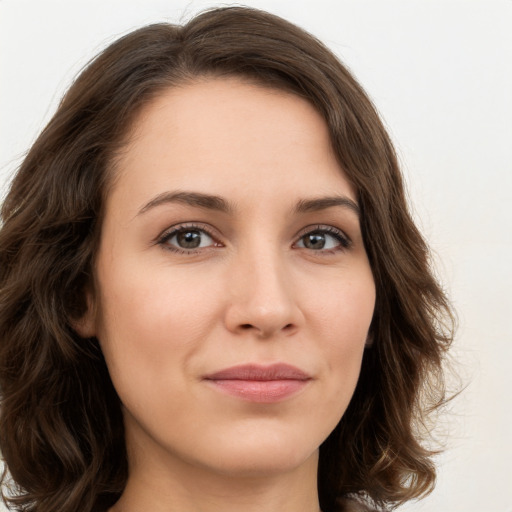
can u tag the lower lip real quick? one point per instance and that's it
(260, 391)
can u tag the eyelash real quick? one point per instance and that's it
(183, 228)
(344, 241)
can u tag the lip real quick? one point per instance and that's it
(258, 383)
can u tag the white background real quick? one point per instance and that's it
(440, 73)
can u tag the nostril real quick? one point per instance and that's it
(247, 327)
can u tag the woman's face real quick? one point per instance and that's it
(233, 291)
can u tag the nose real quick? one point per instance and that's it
(263, 297)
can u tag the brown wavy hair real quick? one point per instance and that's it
(61, 428)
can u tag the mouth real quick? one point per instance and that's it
(260, 384)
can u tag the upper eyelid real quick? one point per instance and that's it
(209, 229)
(200, 226)
(322, 227)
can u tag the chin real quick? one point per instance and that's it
(260, 454)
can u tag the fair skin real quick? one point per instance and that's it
(231, 237)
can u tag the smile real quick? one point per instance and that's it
(260, 384)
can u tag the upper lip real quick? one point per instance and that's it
(277, 371)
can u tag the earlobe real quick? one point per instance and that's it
(85, 325)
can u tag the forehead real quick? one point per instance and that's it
(218, 134)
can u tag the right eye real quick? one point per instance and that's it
(187, 239)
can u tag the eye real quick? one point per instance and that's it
(187, 239)
(325, 238)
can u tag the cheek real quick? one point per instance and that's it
(341, 319)
(343, 308)
(151, 323)
(137, 295)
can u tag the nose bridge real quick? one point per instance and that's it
(262, 294)
(266, 277)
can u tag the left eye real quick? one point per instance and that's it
(321, 240)
(188, 238)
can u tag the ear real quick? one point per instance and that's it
(85, 325)
(369, 340)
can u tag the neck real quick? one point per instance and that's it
(182, 488)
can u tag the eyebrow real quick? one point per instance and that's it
(205, 201)
(212, 202)
(322, 203)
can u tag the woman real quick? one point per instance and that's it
(212, 296)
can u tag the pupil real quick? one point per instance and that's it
(189, 239)
(315, 241)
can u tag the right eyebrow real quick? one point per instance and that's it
(197, 199)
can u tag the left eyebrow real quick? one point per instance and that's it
(322, 203)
